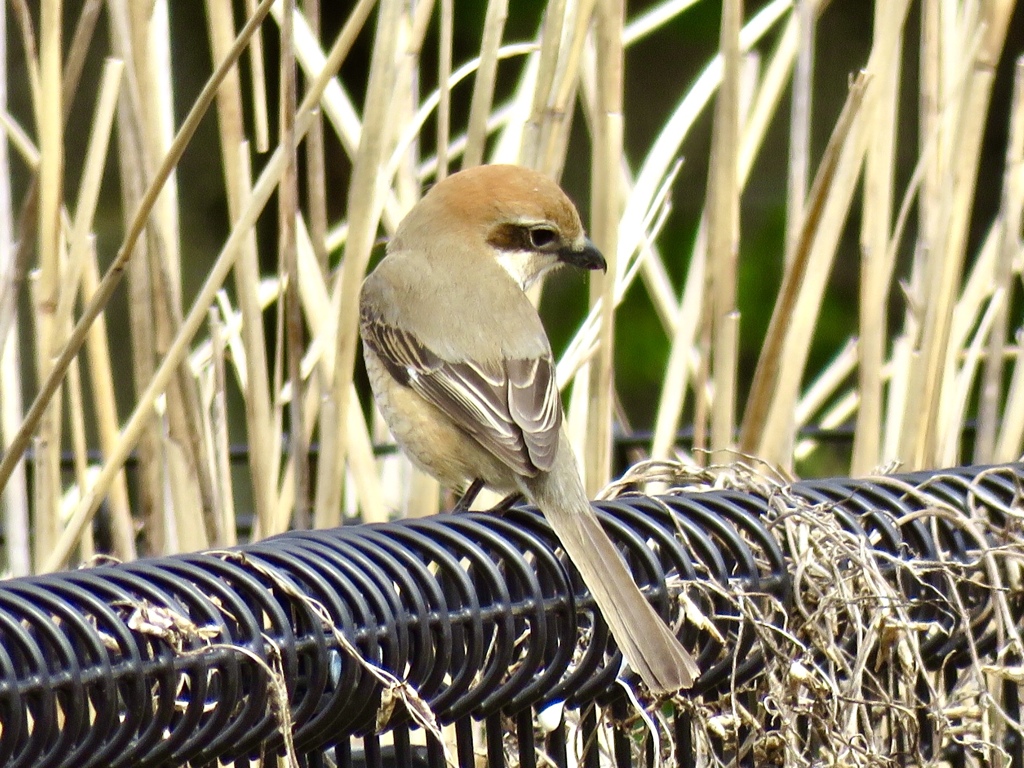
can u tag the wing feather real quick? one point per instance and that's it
(535, 407)
(511, 407)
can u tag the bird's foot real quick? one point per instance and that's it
(506, 504)
(467, 498)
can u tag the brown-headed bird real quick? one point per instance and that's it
(462, 371)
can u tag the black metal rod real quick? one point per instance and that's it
(178, 659)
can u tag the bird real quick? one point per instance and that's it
(462, 372)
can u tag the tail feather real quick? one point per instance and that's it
(649, 646)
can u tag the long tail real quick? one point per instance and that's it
(649, 646)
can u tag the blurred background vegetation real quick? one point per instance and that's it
(657, 71)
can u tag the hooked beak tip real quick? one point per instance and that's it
(588, 257)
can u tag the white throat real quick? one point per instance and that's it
(525, 267)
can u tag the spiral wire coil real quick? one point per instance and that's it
(172, 660)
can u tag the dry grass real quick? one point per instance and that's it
(849, 674)
(203, 360)
(909, 387)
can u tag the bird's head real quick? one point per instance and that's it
(511, 215)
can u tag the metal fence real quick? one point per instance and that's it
(217, 656)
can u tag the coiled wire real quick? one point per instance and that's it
(174, 659)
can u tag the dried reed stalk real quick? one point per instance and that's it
(14, 498)
(767, 429)
(82, 271)
(991, 394)
(723, 222)
(483, 84)
(910, 389)
(876, 224)
(49, 127)
(185, 453)
(981, 41)
(444, 73)
(606, 207)
(316, 174)
(365, 203)
(800, 123)
(235, 163)
(290, 315)
(102, 295)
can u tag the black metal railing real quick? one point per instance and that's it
(212, 656)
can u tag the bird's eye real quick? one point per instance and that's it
(542, 237)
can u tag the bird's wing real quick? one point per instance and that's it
(511, 408)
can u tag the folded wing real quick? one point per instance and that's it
(510, 407)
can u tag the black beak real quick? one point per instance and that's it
(586, 258)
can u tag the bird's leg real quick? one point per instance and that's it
(507, 503)
(467, 498)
